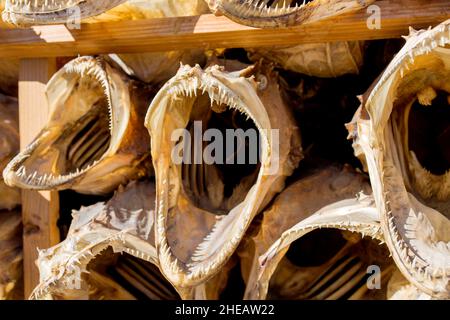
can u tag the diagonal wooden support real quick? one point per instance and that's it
(40, 210)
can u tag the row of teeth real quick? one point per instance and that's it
(392, 183)
(26, 6)
(171, 263)
(89, 68)
(82, 69)
(420, 222)
(203, 250)
(426, 46)
(199, 271)
(81, 259)
(73, 266)
(167, 259)
(49, 179)
(261, 9)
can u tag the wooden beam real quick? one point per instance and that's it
(40, 210)
(208, 31)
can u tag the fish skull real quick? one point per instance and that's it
(399, 134)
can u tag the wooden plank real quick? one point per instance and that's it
(208, 31)
(40, 210)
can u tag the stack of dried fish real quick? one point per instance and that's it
(294, 223)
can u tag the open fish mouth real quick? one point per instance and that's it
(28, 12)
(38, 12)
(11, 257)
(9, 142)
(341, 273)
(400, 135)
(94, 139)
(283, 13)
(315, 251)
(202, 214)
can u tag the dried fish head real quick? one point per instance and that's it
(35, 12)
(401, 133)
(11, 258)
(94, 139)
(9, 146)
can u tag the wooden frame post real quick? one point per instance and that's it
(40, 210)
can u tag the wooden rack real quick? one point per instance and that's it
(39, 46)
